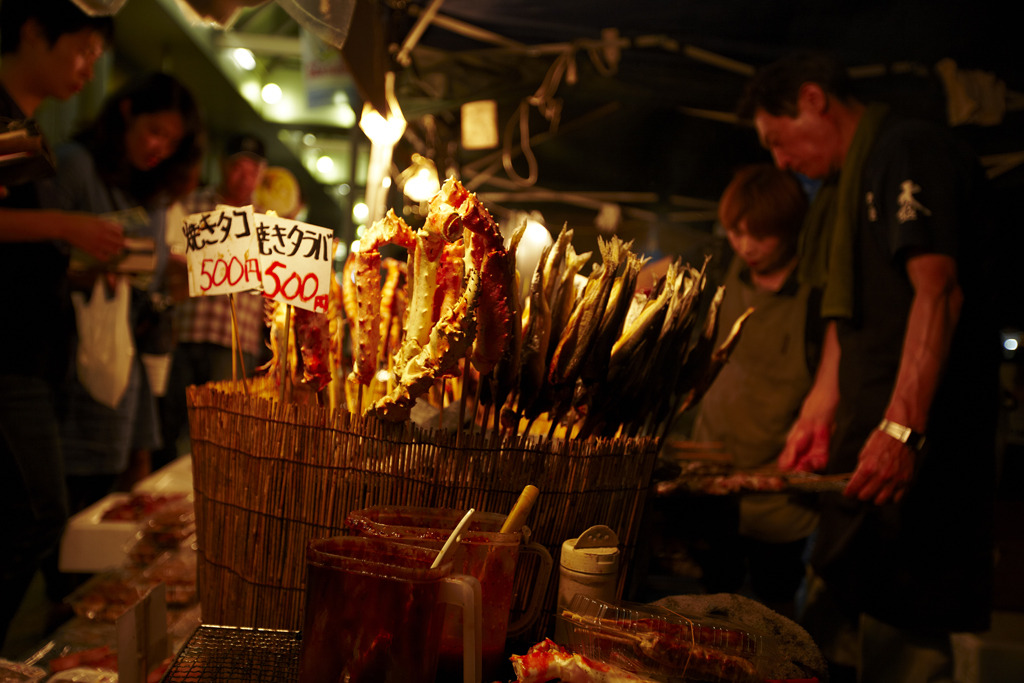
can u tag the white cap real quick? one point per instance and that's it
(596, 551)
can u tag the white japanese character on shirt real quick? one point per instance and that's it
(908, 206)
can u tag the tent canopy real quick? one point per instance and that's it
(629, 104)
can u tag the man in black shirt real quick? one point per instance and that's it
(49, 48)
(905, 396)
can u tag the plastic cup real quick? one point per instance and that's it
(482, 552)
(374, 611)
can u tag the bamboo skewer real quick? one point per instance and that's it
(234, 338)
(463, 392)
(285, 360)
(236, 344)
(440, 404)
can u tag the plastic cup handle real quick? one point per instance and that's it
(539, 589)
(464, 591)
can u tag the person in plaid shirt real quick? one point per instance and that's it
(202, 325)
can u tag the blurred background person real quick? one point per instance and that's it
(145, 134)
(757, 395)
(47, 50)
(202, 325)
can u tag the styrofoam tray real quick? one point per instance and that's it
(175, 477)
(91, 544)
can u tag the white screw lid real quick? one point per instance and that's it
(594, 552)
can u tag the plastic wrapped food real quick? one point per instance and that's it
(177, 571)
(92, 659)
(16, 672)
(107, 596)
(145, 549)
(655, 642)
(172, 523)
(549, 661)
(84, 675)
(139, 506)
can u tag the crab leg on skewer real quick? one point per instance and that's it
(447, 343)
(366, 281)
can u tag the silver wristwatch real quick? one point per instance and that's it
(903, 434)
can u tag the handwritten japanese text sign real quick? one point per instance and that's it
(296, 260)
(233, 249)
(222, 251)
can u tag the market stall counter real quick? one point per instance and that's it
(721, 638)
(130, 543)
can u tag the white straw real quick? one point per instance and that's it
(451, 539)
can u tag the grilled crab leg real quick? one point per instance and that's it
(425, 258)
(448, 342)
(366, 281)
(454, 212)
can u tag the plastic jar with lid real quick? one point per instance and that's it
(589, 565)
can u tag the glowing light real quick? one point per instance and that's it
(325, 165)
(243, 58)
(251, 91)
(531, 248)
(341, 252)
(419, 181)
(361, 231)
(346, 115)
(271, 93)
(309, 140)
(383, 134)
(360, 211)
(382, 131)
(382, 375)
(1011, 343)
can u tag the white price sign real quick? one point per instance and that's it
(222, 250)
(296, 260)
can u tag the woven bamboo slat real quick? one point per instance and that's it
(269, 476)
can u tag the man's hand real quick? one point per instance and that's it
(807, 443)
(885, 468)
(806, 448)
(101, 238)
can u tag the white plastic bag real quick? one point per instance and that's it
(105, 345)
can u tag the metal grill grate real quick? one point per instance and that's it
(224, 654)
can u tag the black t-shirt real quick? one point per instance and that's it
(926, 562)
(33, 280)
(922, 191)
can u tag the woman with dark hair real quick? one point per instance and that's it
(127, 164)
(146, 136)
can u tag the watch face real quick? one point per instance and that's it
(903, 434)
